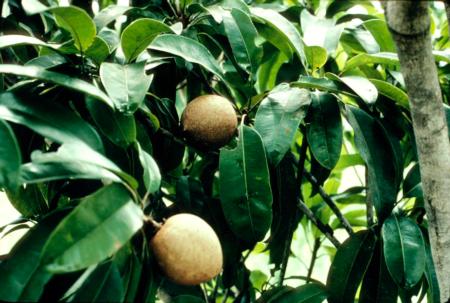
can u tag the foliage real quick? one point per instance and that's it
(91, 148)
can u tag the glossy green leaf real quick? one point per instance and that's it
(94, 230)
(72, 161)
(404, 250)
(11, 157)
(319, 31)
(268, 70)
(275, 38)
(349, 265)
(380, 31)
(188, 49)
(47, 61)
(360, 86)
(98, 51)
(375, 148)
(28, 200)
(392, 92)
(278, 118)
(78, 23)
(324, 132)
(57, 78)
(22, 277)
(15, 40)
(117, 127)
(283, 27)
(104, 284)
(245, 191)
(125, 84)
(308, 293)
(322, 84)
(317, 56)
(109, 14)
(137, 36)
(49, 119)
(241, 34)
(412, 185)
(379, 58)
(152, 176)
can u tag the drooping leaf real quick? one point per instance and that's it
(95, 229)
(125, 84)
(374, 147)
(15, 40)
(28, 200)
(109, 14)
(10, 159)
(152, 176)
(137, 36)
(324, 132)
(242, 34)
(283, 27)
(308, 293)
(104, 284)
(78, 23)
(245, 191)
(360, 86)
(278, 118)
(116, 126)
(404, 250)
(188, 49)
(22, 277)
(392, 92)
(349, 265)
(49, 119)
(57, 78)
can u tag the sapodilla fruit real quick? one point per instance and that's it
(209, 121)
(187, 250)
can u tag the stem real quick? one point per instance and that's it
(227, 293)
(313, 259)
(155, 224)
(329, 202)
(216, 289)
(324, 228)
(369, 202)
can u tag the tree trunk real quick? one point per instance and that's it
(409, 24)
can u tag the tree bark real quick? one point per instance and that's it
(409, 24)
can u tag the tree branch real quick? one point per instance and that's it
(313, 259)
(324, 228)
(329, 202)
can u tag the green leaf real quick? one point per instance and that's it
(392, 92)
(283, 27)
(28, 200)
(308, 293)
(98, 51)
(78, 23)
(190, 50)
(268, 70)
(349, 265)
(72, 161)
(104, 284)
(322, 84)
(109, 14)
(152, 176)
(10, 159)
(57, 78)
(364, 59)
(380, 31)
(404, 250)
(125, 84)
(22, 277)
(430, 272)
(360, 85)
(412, 185)
(318, 31)
(117, 127)
(324, 132)
(137, 36)
(375, 148)
(245, 191)
(94, 230)
(7, 41)
(187, 299)
(49, 119)
(278, 118)
(317, 56)
(241, 34)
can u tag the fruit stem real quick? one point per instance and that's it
(150, 220)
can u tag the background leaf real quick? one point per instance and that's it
(308, 293)
(10, 159)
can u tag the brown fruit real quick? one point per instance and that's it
(209, 121)
(187, 250)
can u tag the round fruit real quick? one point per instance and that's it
(209, 121)
(188, 250)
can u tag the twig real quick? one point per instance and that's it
(313, 259)
(324, 228)
(329, 202)
(369, 202)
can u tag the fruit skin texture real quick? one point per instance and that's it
(187, 250)
(209, 121)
